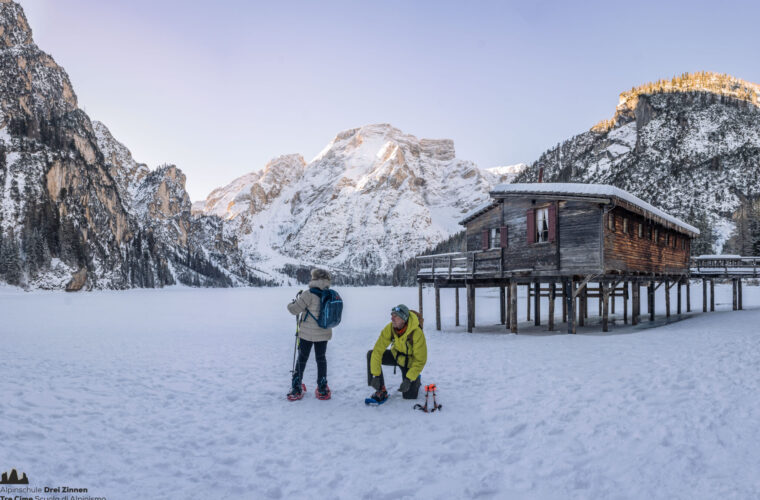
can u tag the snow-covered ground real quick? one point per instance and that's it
(179, 393)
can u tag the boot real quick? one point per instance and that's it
(381, 395)
(296, 388)
(323, 390)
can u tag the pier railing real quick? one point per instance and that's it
(725, 265)
(489, 263)
(461, 265)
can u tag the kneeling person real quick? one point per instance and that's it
(408, 351)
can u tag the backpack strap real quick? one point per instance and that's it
(410, 342)
(319, 293)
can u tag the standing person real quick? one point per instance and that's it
(408, 352)
(307, 305)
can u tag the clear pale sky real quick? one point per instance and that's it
(219, 88)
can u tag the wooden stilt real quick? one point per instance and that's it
(509, 306)
(582, 306)
(604, 296)
(625, 302)
(513, 306)
(585, 301)
(470, 307)
(678, 307)
(712, 295)
(688, 296)
(572, 322)
(456, 306)
(437, 307)
(527, 309)
(599, 301)
(564, 302)
(734, 295)
(636, 302)
(537, 302)
(704, 295)
(667, 298)
(552, 292)
(740, 295)
(419, 297)
(651, 300)
(612, 299)
(502, 304)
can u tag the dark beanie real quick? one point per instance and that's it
(401, 311)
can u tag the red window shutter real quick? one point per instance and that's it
(484, 239)
(552, 221)
(531, 226)
(504, 239)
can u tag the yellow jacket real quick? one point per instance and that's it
(411, 343)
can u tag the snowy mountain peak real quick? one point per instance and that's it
(253, 192)
(371, 199)
(506, 173)
(14, 28)
(724, 86)
(383, 140)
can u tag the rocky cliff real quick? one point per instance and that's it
(75, 209)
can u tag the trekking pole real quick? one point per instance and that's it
(419, 406)
(436, 406)
(295, 348)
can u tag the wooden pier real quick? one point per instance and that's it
(483, 269)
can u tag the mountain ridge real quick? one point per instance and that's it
(369, 188)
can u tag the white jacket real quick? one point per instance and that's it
(309, 330)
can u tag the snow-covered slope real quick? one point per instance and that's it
(507, 172)
(690, 146)
(371, 199)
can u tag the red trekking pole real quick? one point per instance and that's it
(430, 388)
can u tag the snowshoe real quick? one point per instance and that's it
(377, 398)
(323, 390)
(297, 393)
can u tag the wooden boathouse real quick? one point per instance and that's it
(568, 241)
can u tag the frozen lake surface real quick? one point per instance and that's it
(180, 393)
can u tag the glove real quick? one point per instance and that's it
(405, 385)
(376, 383)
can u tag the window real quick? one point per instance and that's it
(611, 222)
(625, 226)
(656, 236)
(542, 225)
(494, 240)
(667, 239)
(683, 243)
(641, 230)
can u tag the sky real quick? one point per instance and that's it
(220, 88)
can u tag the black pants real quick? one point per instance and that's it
(389, 360)
(320, 351)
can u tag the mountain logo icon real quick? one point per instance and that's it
(13, 478)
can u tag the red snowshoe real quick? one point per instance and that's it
(323, 390)
(297, 393)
